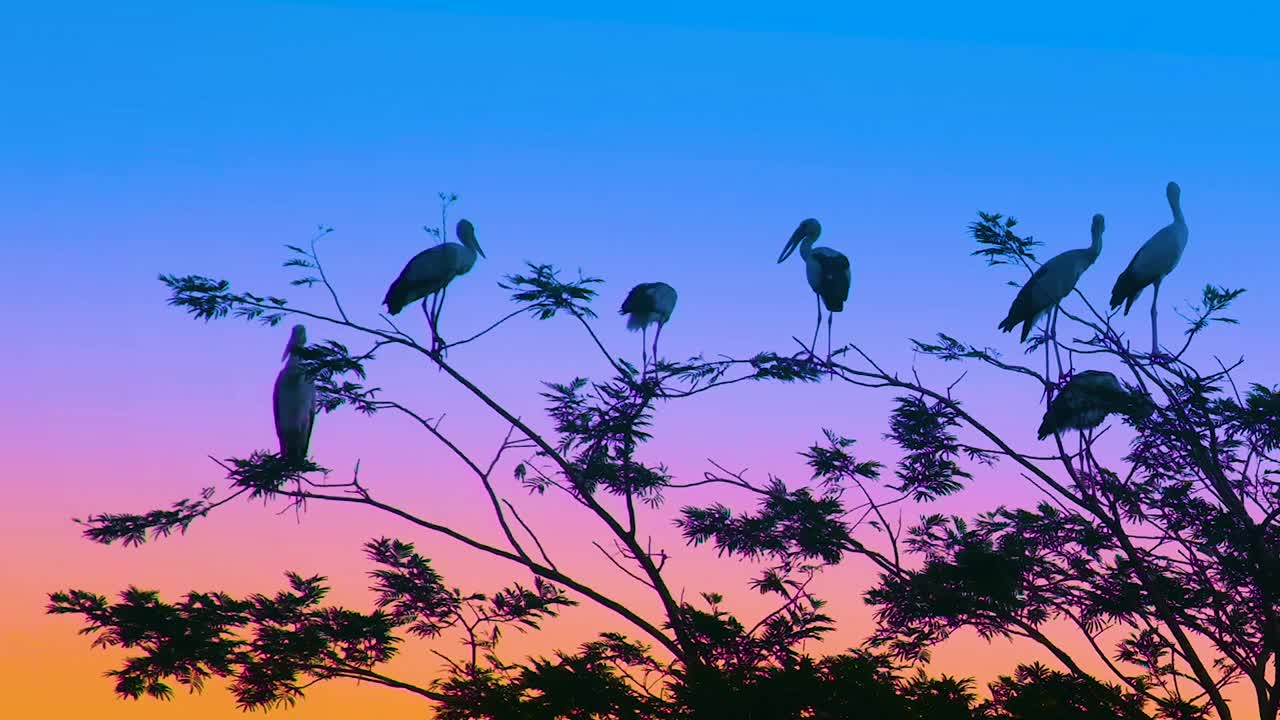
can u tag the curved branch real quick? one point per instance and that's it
(486, 331)
(686, 646)
(315, 257)
(358, 673)
(537, 568)
(483, 475)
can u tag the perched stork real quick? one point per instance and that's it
(827, 271)
(1154, 260)
(431, 271)
(1051, 283)
(294, 400)
(646, 304)
(1087, 399)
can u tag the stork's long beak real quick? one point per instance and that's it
(792, 244)
(476, 246)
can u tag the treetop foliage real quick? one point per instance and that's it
(1163, 560)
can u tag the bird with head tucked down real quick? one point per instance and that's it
(294, 400)
(646, 304)
(1088, 398)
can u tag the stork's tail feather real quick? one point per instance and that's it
(639, 320)
(1046, 427)
(1011, 322)
(1124, 291)
(834, 301)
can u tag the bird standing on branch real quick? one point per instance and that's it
(429, 273)
(646, 304)
(827, 271)
(1154, 260)
(294, 400)
(1051, 283)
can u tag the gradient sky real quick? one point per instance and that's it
(636, 144)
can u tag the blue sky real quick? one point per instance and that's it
(637, 142)
(141, 129)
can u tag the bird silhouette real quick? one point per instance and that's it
(1087, 399)
(646, 304)
(1052, 282)
(827, 271)
(294, 400)
(1157, 257)
(431, 271)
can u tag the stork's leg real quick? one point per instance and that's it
(1048, 384)
(656, 335)
(439, 311)
(813, 346)
(829, 316)
(644, 349)
(1089, 462)
(429, 309)
(1080, 448)
(1057, 350)
(431, 306)
(435, 308)
(1155, 343)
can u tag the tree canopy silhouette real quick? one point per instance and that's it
(1163, 560)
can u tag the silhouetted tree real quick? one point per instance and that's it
(1163, 559)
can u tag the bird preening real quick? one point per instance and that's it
(1157, 257)
(294, 400)
(646, 304)
(427, 276)
(827, 271)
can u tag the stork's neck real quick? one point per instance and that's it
(806, 247)
(292, 363)
(466, 259)
(1175, 204)
(1095, 246)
